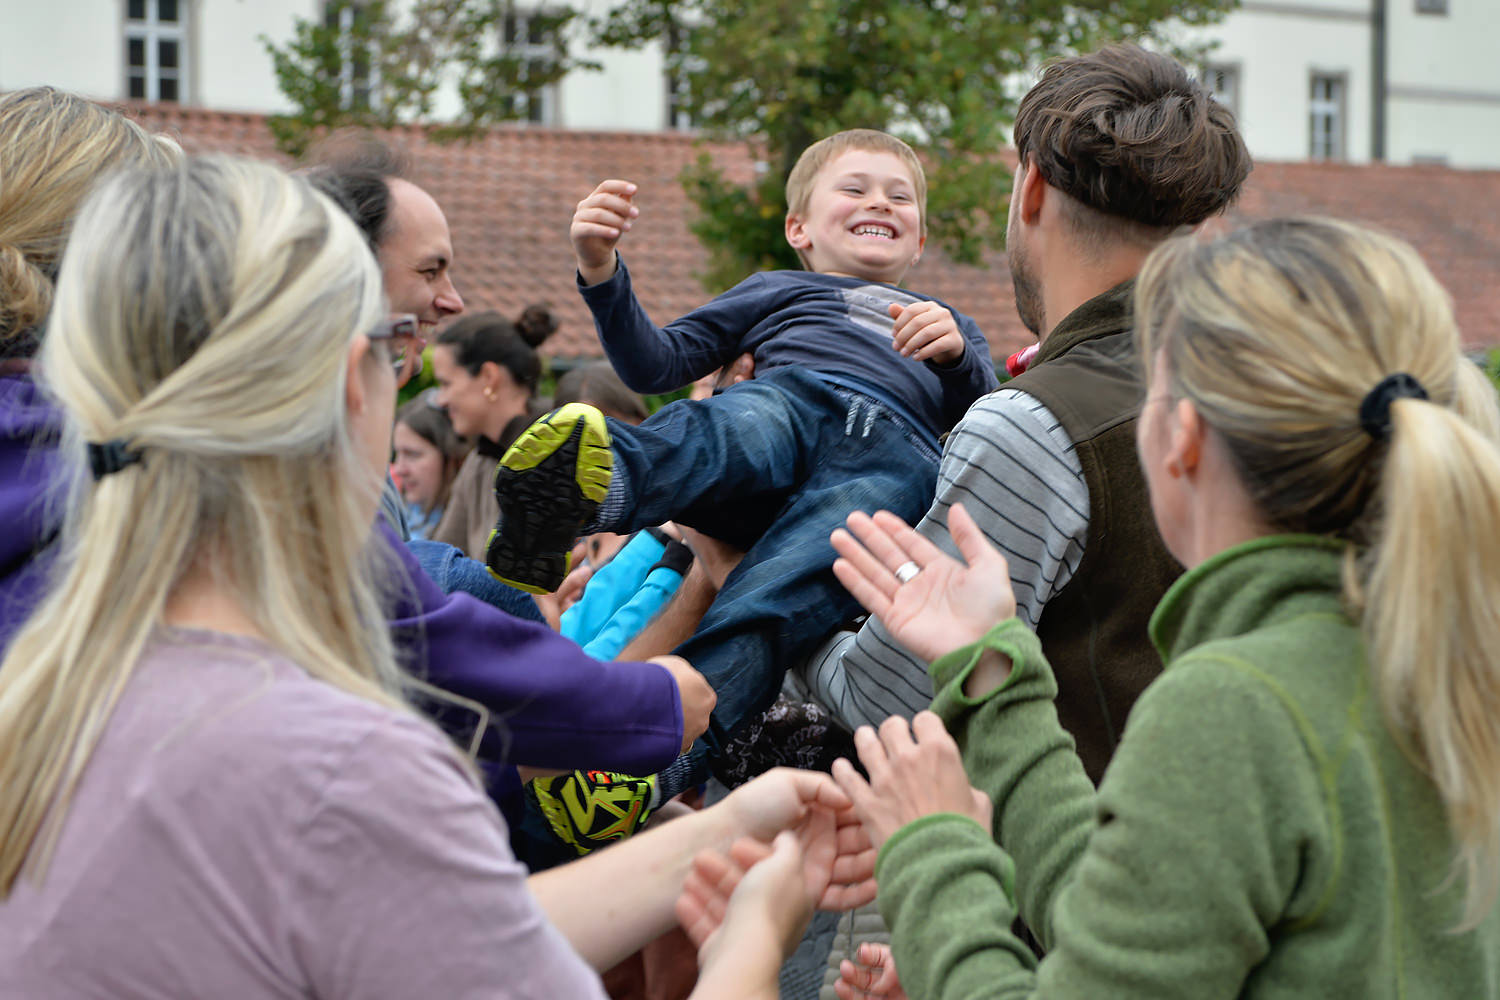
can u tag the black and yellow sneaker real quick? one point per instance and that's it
(549, 485)
(589, 809)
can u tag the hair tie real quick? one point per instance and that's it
(1375, 410)
(110, 457)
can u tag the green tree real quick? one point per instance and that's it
(944, 74)
(361, 64)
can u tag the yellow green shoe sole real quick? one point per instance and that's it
(549, 484)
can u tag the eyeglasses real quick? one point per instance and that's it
(402, 331)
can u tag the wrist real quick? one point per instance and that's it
(594, 274)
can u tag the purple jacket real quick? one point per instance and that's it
(552, 705)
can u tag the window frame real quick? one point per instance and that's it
(358, 91)
(151, 32)
(544, 106)
(1335, 108)
(1234, 71)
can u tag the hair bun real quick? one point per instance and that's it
(535, 324)
(25, 292)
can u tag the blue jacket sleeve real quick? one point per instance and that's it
(553, 705)
(649, 358)
(971, 377)
(609, 589)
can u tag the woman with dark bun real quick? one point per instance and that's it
(487, 370)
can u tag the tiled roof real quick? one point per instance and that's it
(509, 197)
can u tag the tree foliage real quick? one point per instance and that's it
(946, 75)
(364, 64)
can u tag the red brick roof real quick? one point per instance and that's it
(509, 197)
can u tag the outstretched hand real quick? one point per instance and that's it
(914, 770)
(598, 223)
(801, 801)
(945, 604)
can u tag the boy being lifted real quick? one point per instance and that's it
(855, 380)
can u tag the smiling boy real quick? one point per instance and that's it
(855, 380)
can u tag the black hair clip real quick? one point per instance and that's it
(110, 457)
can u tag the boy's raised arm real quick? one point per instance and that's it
(598, 223)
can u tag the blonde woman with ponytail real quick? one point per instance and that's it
(1307, 802)
(210, 783)
(53, 147)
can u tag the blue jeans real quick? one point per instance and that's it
(779, 462)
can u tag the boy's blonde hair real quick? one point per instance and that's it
(799, 183)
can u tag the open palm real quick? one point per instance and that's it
(947, 603)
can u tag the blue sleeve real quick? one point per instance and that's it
(971, 377)
(645, 604)
(451, 570)
(652, 359)
(554, 705)
(610, 588)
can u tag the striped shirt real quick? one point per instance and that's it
(1013, 467)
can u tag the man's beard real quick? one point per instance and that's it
(1028, 291)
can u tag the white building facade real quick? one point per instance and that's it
(1402, 81)
(1405, 81)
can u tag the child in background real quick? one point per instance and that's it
(428, 455)
(855, 380)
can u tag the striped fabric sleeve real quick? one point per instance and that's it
(1013, 467)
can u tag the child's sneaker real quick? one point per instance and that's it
(591, 809)
(549, 485)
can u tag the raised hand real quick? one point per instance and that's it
(598, 223)
(870, 976)
(925, 331)
(914, 770)
(938, 604)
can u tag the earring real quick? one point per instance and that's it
(489, 393)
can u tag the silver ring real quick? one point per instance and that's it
(907, 571)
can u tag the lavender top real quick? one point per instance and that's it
(243, 830)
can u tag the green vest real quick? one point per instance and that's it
(1093, 631)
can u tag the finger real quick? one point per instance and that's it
(947, 342)
(928, 729)
(610, 204)
(615, 185)
(895, 736)
(842, 897)
(869, 596)
(814, 787)
(923, 336)
(876, 534)
(873, 756)
(906, 542)
(861, 977)
(595, 231)
(916, 327)
(694, 921)
(747, 852)
(865, 564)
(972, 543)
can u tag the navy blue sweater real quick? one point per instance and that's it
(833, 326)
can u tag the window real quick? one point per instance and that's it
(1223, 82)
(533, 39)
(1325, 117)
(1439, 7)
(677, 116)
(155, 67)
(349, 20)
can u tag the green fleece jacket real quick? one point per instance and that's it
(1258, 833)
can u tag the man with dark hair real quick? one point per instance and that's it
(406, 229)
(1118, 149)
